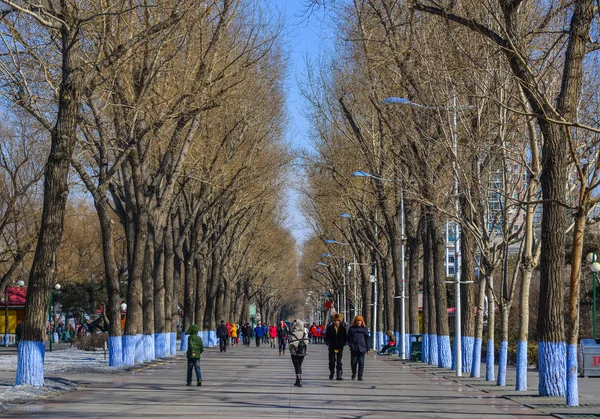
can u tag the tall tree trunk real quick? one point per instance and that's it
(468, 293)
(200, 292)
(169, 255)
(30, 368)
(111, 272)
(479, 318)
(148, 296)
(160, 337)
(489, 358)
(189, 294)
(438, 255)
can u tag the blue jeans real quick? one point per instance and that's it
(193, 363)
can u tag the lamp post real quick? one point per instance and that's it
(457, 254)
(20, 283)
(591, 258)
(51, 313)
(402, 256)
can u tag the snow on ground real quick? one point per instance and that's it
(67, 361)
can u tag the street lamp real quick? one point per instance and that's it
(51, 313)
(20, 283)
(402, 255)
(591, 258)
(457, 254)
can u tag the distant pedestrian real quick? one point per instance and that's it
(234, 334)
(273, 335)
(195, 348)
(258, 334)
(222, 335)
(335, 338)
(312, 333)
(298, 340)
(282, 336)
(246, 334)
(358, 342)
(265, 333)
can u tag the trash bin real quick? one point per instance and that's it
(416, 348)
(590, 358)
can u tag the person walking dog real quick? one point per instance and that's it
(335, 338)
(358, 342)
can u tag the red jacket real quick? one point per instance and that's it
(272, 332)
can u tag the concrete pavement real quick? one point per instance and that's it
(257, 382)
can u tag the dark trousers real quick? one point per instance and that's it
(281, 342)
(222, 343)
(193, 363)
(297, 361)
(258, 338)
(335, 360)
(246, 340)
(357, 358)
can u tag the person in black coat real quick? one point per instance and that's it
(335, 338)
(222, 334)
(358, 342)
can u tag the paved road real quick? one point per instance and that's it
(257, 382)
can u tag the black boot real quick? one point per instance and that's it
(299, 380)
(331, 375)
(297, 383)
(339, 376)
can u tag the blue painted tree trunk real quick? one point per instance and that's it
(476, 364)
(407, 343)
(168, 344)
(502, 360)
(140, 353)
(433, 350)
(212, 338)
(115, 351)
(173, 343)
(445, 353)
(552, 367)
(468, 343)
(521, 384)
(30, 363)
(425, 349)
(184, 343)
(489, 361)
(160, 344)
(55, 337)
(149, 354)
(380, 340)
(572, 384)
(130, 344)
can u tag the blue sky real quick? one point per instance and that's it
(307, 36)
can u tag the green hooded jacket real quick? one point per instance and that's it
(195, 344)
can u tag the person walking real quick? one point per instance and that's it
(234, 334)
(195, 349)
(273, 335)
(265, 333)
(358, 342)
(258, 334)
(247, 334)
(298, 340)
(335, 338)
(282, 336)
(222, 335)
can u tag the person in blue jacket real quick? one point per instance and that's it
(265, 338)
(258, 334)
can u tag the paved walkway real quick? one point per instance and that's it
(257, 382)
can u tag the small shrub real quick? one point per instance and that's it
(92, 342)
